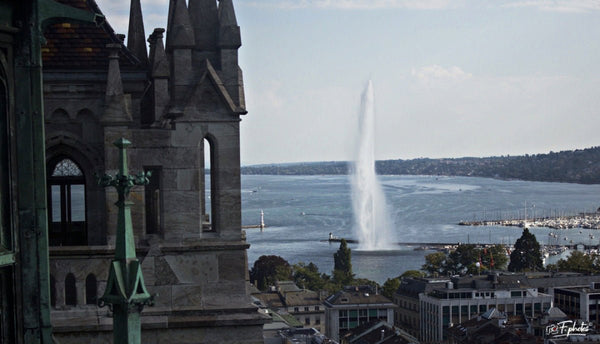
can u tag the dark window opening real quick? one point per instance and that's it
(66, 204)
(70, 290)
(52, 291)
(91, 290)
(153, 200)
(209, 209)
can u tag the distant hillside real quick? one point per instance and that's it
(579, 166)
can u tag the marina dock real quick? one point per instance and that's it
(581, 220)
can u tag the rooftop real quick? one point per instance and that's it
(357, 295)
(301, 298)
(379, 332)
(80, 45)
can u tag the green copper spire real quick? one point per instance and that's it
(125, 291)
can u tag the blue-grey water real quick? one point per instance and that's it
(301, 211)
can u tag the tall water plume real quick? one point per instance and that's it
(372, 223)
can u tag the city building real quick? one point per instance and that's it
(444, 307)
(306, 306)
(406, 315)
(180, 104)
(538, 326)
(377, 332)
(491, 327)
(413, 290)
(279, 322)
(303, 335)
(354, 306)
(579, 302)
(545, 282)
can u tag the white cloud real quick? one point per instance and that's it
(569, 6)
(436, 72)
(356, 4)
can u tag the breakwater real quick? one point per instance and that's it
(582, 220)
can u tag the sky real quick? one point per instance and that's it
(452, 78)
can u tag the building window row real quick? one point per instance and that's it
(306, 309)
(349, 319)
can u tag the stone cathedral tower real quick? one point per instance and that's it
(180, 105)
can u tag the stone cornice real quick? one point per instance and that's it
(207, 246)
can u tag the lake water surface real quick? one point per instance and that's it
(301, 211)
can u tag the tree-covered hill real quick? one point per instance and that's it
(578, 166)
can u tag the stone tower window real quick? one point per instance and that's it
(70, 290)
(153, 200)
(91, 290)
(208, 206)
(66, 203)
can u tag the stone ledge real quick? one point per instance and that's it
(204, 245)
(176, 319)
(57, 252)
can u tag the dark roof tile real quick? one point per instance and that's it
(82, 45)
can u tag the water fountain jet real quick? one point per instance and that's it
(372, 222)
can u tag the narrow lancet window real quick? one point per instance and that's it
(153, 200)
(70, 290)
(91, 290)
(208, 208)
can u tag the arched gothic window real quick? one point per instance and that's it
(209, 207)
(91, 290)
(70, 290)
(66, 203)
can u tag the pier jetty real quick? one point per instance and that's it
(262, 222)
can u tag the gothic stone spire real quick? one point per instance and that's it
(206, 23)
(136, 38)
(180, 31)
(229, 31)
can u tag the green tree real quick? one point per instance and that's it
(365, 281)
(435, 264)
(390, 286)
(526, 255)
(308, 276)
(495, 254)
(342, 264)
(579, 262)
(412, 274)
(269, 269)
(460, 260)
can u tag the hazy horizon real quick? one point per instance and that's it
(421, 157)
